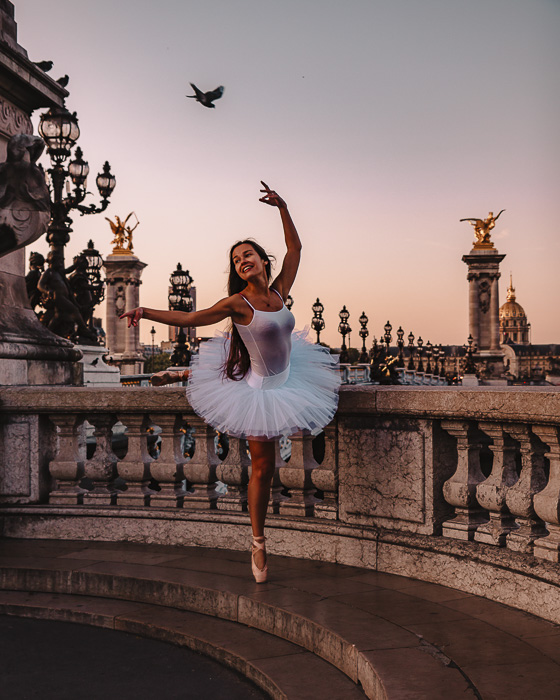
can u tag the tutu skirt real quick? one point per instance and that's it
(303, 397)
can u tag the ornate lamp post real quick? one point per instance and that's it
(441, 361)
(411, 351)
(289, 302)
(470, 366)
(153, 332)
(400, 345)
(96, 283)
(344, 329)
(60, 131)
(429, 348)
(420, 343)
(387, 336)
(363, 333)
(435, 355)
(317, 322)
(180, 300)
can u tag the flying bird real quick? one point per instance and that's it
(63, 82)
(45, 66)
(207, 98)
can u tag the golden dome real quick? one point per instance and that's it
(511, 309)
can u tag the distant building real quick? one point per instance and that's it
(514, 327)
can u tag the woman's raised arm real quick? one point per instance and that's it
(284, 281)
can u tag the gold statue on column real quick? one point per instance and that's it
(482, 228)
(122, 234)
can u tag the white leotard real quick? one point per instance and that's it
(268, 339)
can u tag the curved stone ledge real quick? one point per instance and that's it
(478, 569)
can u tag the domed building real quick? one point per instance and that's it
(514, 327)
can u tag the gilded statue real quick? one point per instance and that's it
(482, 228)
(122, 234)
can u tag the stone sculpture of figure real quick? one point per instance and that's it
(63, 316)
(36, 268)
(482, 228)
(24, 196)
(79, 283)
(122, 233)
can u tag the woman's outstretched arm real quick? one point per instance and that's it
(283, 283)
(206, 317)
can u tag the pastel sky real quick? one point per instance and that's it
(381, 123)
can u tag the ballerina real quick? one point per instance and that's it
(262, 381)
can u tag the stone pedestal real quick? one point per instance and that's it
(29, 353)
(484, 307)
(95, 371)
(123, 272)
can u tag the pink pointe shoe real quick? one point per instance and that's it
(260, 574)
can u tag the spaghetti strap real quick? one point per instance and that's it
(277, 292)
(251, 305)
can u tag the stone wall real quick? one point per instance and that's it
(450, 485)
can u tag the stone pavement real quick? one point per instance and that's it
(315, 630)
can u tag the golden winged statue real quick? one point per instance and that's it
(482, 228)
(122, 234)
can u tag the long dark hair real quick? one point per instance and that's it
(238, 361)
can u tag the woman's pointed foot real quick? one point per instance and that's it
(259, 572)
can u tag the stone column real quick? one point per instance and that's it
(123, 271)
(484, 305)
(547, 501)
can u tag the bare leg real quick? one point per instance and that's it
(258, 491)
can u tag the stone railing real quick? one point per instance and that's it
(450, 485)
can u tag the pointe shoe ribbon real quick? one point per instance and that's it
(260, 575)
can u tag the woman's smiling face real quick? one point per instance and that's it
(248, 263)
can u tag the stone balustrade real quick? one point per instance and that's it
(446, 484)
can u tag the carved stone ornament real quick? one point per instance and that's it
(484, 288)
(24, 196)
(13, 120)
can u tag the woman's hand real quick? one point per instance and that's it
(133, 316)
(271, 197)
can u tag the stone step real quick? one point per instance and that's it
(283, 670)
(396, 637)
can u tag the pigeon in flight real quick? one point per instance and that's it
(207, 98)
(45, 66)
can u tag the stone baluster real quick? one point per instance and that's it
(234, 472)
(519, 497)
(547, 501)
(491, 493)
(325, 476)
(67, 468)
(296, 477)
(167, 469)
(135, 467)
(460, 490)
(102, 467)
(276, 491)
(200, 470)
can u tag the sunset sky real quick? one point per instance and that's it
(381, 123)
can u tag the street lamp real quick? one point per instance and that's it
(411, 351)
(344, 329)
(180, 300)
(429, 348)
(317, 322)
(400, 345)
(363, 333)
(420, 343)
(153, 332)
(387, 335)
(60, 131)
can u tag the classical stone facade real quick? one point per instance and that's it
(514, 326)
(123, 272)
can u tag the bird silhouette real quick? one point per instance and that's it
(207, 98)
(63, 82)
(45, 66)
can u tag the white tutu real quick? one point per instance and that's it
(304, 397)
